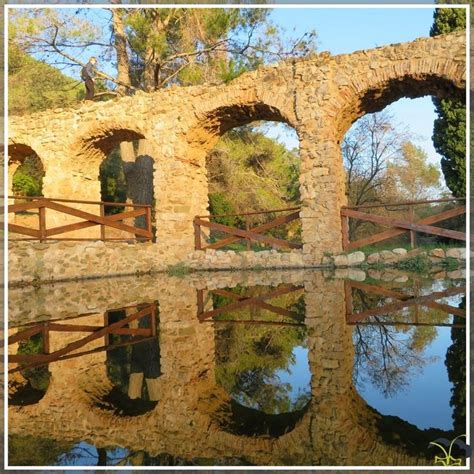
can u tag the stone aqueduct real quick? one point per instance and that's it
(320, 97)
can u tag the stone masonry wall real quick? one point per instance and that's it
(320, 97)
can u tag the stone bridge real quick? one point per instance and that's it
(320, 97)
(336, 428)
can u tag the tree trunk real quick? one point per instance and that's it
(139, 178)
(123, 63)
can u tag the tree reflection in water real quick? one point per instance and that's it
(249, 362)
(390, 354)
(29, 385)
(133, 369)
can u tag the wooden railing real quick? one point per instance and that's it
(399, 301)
(47, 356)
(401, 225)
(43, 233)
(239, 302)
(249, 234)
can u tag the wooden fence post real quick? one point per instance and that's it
(411, 218)
(247, 228)
(197, 235)
(102, 226)
(148, 221)
(42, 223)
(345, 232)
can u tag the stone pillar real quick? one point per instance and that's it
(181, 193)
(322, 185)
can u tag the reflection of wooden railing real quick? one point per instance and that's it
(45, 328)
(248, 234)
(401, 225)
(402, 301)
(241, 301)
(89, 220)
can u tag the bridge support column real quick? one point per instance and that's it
(180, 194)
(322, 184)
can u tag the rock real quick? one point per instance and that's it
(457, 274)
(373, 258)
(387, 256)
(438, 253)
(356, 275)
(326, 260)
(399, 251)
(355, 258)
(458, 253)
(341, 260)
(329, 364)
(401, 279)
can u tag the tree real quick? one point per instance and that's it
(410, 176)
(156, 48)
(449, 132)
(35, 86)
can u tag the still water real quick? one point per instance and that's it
(260, 368)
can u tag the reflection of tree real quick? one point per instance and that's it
(249, 356)
(31, 384)
(33, 451)
(389, 354)
(456, 363)
(133, 369)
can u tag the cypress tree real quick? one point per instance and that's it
(449, 132)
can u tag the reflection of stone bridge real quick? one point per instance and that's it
(337, 427)
(320, 97)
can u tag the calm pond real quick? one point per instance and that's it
(288, 368)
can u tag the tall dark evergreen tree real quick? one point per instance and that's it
(449, 133)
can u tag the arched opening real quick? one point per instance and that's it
(253, 166)
(262, 361)
(125, 171)
(392, 154)
(29, 385)
(25, 170)
(134, 366)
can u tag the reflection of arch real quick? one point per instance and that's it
(244, 421)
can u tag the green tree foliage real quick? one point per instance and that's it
(456, 363)
(449, 133)
(34, 85)
(113, 187)
(249, 356)
(28, 178)
(254, 172)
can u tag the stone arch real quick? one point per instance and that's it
(17, 153)
(94, 143)
(217, 121)
(411, 78)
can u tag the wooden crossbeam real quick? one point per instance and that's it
(247, 234)
(83, 225)
(260, 304)
(258, 230)
(19, 229)
(406, 225)
(388, 234)
(96, 219)
(402, 297)
(116, 328)
(248, 302)
(390, 308)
